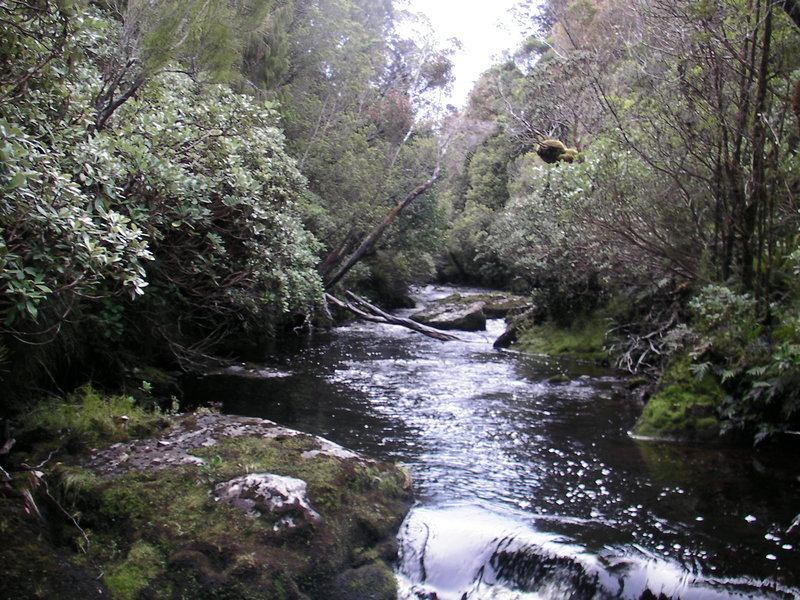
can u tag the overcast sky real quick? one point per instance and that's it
(484, 27)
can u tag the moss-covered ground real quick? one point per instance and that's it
(683, 406)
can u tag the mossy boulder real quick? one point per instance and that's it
(370, 582)
(583, 339)
(161, 518)
(496, 305)
(683, 407)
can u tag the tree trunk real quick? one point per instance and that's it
(376, 233)
(376, 315)
(752, 238)
(334, 257)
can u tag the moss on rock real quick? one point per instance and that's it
(143, 563)
(683, 406)
(583, 339)
(496, 305)
(157, 530)
(371, 582)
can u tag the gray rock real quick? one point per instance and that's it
(266, 494)
(533, 316)
(189, 432)
(454, 316)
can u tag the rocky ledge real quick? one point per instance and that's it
(216, 507)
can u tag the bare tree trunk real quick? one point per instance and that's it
(376, 315)
(334, 257)
(755, 202)
(376, 233)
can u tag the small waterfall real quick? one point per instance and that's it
(467, 553)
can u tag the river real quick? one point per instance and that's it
(527, 483)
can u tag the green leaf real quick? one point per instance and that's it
(18, 180)
(31, 308)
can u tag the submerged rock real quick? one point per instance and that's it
(253, 371)
(219, 507)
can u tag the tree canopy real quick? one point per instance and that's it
(682, 182)
(176, 175)
(174, 172)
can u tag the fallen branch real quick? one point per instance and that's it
(370, 312)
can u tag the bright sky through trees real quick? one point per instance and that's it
(484, 28)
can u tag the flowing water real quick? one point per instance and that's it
(527, 483)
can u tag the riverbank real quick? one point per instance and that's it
(541, 441)
(195, 505)
(676, 405)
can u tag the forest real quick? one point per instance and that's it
(189, 185)
(178, 177)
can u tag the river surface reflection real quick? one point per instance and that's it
(524, 464)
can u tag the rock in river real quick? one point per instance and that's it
(215, 507)
(469, 317)
(266, 494)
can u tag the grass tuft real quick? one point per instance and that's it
(88, 418)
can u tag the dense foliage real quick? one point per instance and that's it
(157, 234)
(175, 174)
(682, 202)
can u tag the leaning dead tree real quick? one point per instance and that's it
(369, 312)
(359, 306)
(373, 236)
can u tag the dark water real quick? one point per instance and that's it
(528, 485)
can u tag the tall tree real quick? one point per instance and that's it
(352, 100)
(208, 38)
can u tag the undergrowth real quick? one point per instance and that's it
(87, 418)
